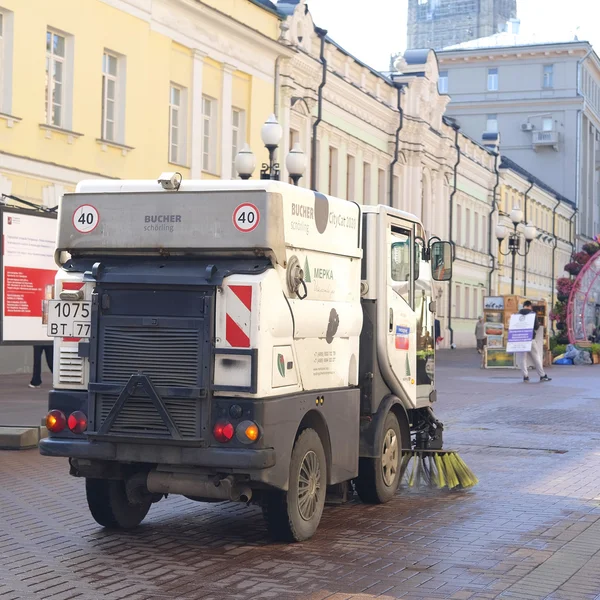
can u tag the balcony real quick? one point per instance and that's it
(543, 139)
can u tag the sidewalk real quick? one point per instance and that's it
(21, 406)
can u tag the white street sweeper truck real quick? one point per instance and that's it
(243, 341)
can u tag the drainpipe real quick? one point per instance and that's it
(400, 88)
(490, 223)
(313, 158)
(451, 215)
(554, 254)
(525, 259)
(572, 235)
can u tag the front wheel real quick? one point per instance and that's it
(108, 502)
(378, 478)
(294, 516)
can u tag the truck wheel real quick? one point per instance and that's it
(110, 507)
(378, 478)
(294, 516)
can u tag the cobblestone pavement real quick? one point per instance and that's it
(530, 530)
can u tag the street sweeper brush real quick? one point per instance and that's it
(435, 468)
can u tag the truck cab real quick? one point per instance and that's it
(243, 341)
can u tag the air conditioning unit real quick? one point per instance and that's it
(526, 126)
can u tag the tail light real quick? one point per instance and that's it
(247, 432)
(223, 431)
(77, 422)
(56, 421)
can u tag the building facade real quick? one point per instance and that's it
(440, 23)
(544, 101)
(129, 89)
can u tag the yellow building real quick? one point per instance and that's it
(121, 89)
(552, 215)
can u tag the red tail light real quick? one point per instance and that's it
(77, 422)
(56, 421)
(223, 431)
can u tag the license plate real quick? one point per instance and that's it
(69, 319)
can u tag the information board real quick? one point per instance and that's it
(520, 333)
(28, 272)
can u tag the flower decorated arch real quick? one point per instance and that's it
(583, 308)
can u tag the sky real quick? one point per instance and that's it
(372, 30)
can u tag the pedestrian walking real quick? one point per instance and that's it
(480, 335)
(535, 353)
(438, 332)
(38, 350)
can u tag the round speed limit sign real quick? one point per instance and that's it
(246, 217)
(86, 218)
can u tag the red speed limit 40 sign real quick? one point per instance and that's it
(246, 217)
(86, 218)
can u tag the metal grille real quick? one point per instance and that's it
(138, 416)
(168, 356)
(70, 366)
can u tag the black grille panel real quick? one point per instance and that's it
(168, 356)
(139, 417)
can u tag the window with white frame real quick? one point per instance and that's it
(443, 82)
(548, 76)
(492, 124)
(350, 176)
(55, 78)
(458, 235)
(381, 186)
(492, 80)
(209, 134)
(366, 183)
(238, 138)
(333, 171)
(178, 124)
(110, 97)
(547, 124)
(457, 303)
(468, 228)
(467, 302)
(482, 232)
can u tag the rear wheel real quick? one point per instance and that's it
(294, 516)
(378, 478)
(110, 506)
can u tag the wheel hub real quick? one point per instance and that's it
(309, 485)
(389, 457)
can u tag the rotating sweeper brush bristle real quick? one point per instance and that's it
(435, 468)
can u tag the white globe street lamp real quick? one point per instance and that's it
(245, 162)
(296, 163)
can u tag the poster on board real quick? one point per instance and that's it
(28, 270)
(520, 333)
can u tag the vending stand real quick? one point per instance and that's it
(28, 270)
(497, 311)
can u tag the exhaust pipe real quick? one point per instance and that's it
(197, 486)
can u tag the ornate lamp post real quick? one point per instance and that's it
(245, 162)
(515, 247)
(271, 134)
(296, 163)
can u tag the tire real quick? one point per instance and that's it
(294, 516)
(378, 478)
(108, 503)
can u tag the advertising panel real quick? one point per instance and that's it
(28, 271)
(520, 333)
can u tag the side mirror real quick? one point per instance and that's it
(441, 261)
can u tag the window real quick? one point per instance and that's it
(350, 177)
(468, 228)
(492, 80)
(457, 306)
(110, 93)
(333, 171)
(492, 124)
(381, 186)
(238, 139)
(209, 135)
(476, 304)
(366, 183)
(55, 78)
(396, 191)
(547, 124)
(458, 235)
(467, 302)
(482, 233)
(548, 76)
(401, 263)
(443, 82)
(176, 125)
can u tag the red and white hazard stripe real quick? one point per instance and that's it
(238, 316)
(72, 286)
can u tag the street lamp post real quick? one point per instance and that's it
(245, 162)
(271, 134)
(514, 240)
(296, 163)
